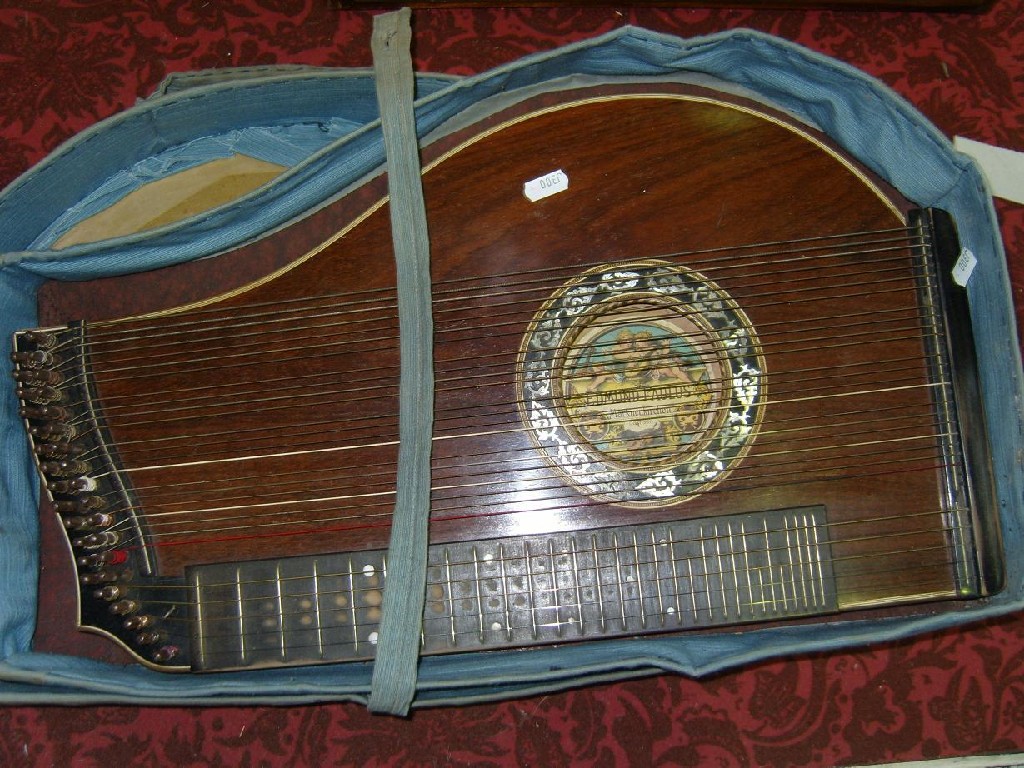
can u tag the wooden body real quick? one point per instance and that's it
(847, 419)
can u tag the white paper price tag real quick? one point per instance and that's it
(545, 186)
(964, 267)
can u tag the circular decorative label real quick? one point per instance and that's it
(643, 384)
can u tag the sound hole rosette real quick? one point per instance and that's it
(642, 383)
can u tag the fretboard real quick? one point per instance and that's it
(533, 590)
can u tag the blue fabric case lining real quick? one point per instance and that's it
(865, 117)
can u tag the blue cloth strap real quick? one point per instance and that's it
(394, 672)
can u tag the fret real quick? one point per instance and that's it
(352, 605)
(792, 550)
(556, 599)
(815, 549)
(657, 578)
(618, 578)
(693, 590)
(530, 590)
(734, 570)
(720, 572)
(280, 611)
(805, 565)
(707, 583)
(200, 625)
(676, 591)
(639, 582)
(318, 619)
(242, 650)
(597, 583)
(504, 589)
(800, 566)
(771, 578)
(582, 629)
(451, 597)
(747, 569)
(479, 600)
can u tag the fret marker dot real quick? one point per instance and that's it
(368, 570)
(372, 638)
(496, 626)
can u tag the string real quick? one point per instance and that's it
(345, 328)
(704, 538)
(553, 276)
(485, 415)
(851, 339)
(878, 287)
(698, 347)
(504, 454)
(486, 460)
(479, 507)
(502, 429)
(537, 592)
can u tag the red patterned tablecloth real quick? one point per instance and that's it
(64, 65)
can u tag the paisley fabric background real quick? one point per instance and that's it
(65, 65)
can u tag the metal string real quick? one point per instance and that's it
(796, 250)
(597, 570)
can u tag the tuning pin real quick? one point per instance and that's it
(52, 450)
(40, 395)
(45, 412)
(76, 522)
(38, 358)
(124, 607)
(79, 505)
(64, 467)
(72, 487)
(98, 577)
(39, 378)
(42, 339)
(150, 637)
(105, 520)
(139, 621)
(111, 592)
(99, 559)
(164, 653)
(97, 540)
(52, 431)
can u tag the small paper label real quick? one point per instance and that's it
(546, 185)
(964, 267)
(1003, 168)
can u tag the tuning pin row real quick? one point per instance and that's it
(104, 565)
(45, 408)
